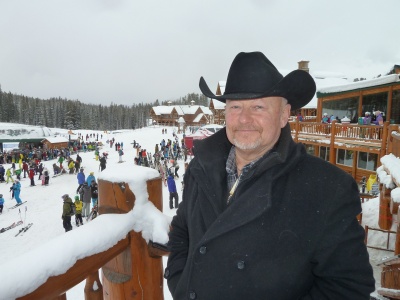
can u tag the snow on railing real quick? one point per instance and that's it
(25, 273)
(389, 174)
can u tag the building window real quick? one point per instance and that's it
(395, 116)
(341, 108)
(375, 102)
(324, 153)
(344, 157)
(367, 161)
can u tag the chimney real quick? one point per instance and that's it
(303, 65)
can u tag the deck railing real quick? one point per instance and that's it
(130, 269)
(372, 133)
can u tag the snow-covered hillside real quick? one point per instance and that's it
(44, 208)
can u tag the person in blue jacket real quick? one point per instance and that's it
(17, 191)
(1, 203)
(90, 178)
(173, 194)
(81, 179)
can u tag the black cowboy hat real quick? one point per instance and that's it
(253, 76)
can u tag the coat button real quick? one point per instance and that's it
(240, 265)
(166, 273)
(203, 250)
(192, 295)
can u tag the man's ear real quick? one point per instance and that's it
(285, 115)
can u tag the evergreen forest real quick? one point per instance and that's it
(73, 114)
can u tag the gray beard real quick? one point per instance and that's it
(247, 146)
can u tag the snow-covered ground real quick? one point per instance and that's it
(44, 208)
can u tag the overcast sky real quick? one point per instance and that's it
(127, 51)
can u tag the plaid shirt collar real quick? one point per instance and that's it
(232, 170)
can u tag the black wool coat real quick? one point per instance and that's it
(289, 232)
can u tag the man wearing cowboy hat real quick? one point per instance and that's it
(260, 218)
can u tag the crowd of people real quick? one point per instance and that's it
(376, 118)
(85, 201)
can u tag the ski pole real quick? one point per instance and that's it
(26, 208)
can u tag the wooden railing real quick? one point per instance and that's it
(130, 269)
(372, 133)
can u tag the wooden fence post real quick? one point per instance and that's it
(133, 274)
(93, 292)
(385, 216)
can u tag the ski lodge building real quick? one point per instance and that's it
(185, 115)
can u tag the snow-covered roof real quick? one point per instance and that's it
(218, 104)
(323, 80)
(162, 110)
(13, 131)
(56, 139)
(360, 84)
(198, 118)
(181, 109)
(207, 110)
(189, 109)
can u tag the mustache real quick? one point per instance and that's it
(252, 128)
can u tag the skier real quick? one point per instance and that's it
(78, 211)
(56, 169)
(60, 161)
(103, 162)
(90, 178)
(173, 194)
(67, 212)
(18, 173)
(12, 190)
(94, 192)
(71, 166)
(2, 172)
(175, 166)
(9, 175)
(32, 175)
(46, 176)
(162, 171)
(25, 167)
(40, 171)
(81, 179)
(85, 193)
(1, 203)
(17, 191)
(120, 153)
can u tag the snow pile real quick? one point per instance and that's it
(392, 164)
(146, 218)
(385, 178)
(395, 194)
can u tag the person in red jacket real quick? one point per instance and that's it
(25, 167)
(32, 175)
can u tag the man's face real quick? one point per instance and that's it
(254, 126)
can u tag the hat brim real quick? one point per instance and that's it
(298, 87)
